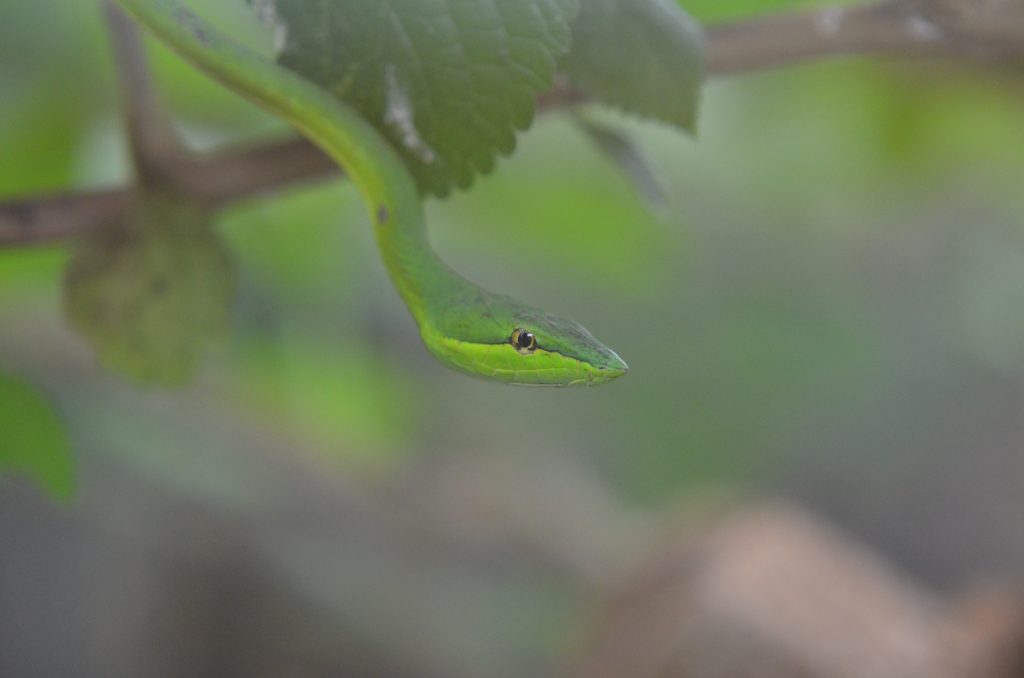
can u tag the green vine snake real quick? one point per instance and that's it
(464, 326)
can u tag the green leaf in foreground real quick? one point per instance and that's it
(152, 294)
(447, 81)
(33, 440)
(643, 56)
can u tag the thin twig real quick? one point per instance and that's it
(992, 29)
(154, 145)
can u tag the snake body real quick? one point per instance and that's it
(465, 327)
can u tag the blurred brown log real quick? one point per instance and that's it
(770, 592)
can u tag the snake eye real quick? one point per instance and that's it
(524, 341)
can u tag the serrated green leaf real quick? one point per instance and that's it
(153, 293)
(33, 440)
(643, 56)
(449, 82)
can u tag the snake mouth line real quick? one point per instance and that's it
(621, 367)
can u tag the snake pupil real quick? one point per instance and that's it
(523, 340)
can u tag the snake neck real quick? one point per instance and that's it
(420, 276)
(396, 208)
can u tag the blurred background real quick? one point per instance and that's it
(828, 314)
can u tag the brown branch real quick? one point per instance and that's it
(217, 180)
(236, 175)
(989, 29)
(61, 216)
(992, 29)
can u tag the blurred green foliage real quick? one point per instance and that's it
(712, 11)
(152, 294)
(831, 300)
(840, 235)
(32, 439)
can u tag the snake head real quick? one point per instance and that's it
(554, 350)
(499, 338)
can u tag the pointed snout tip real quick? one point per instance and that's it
(615, 368)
